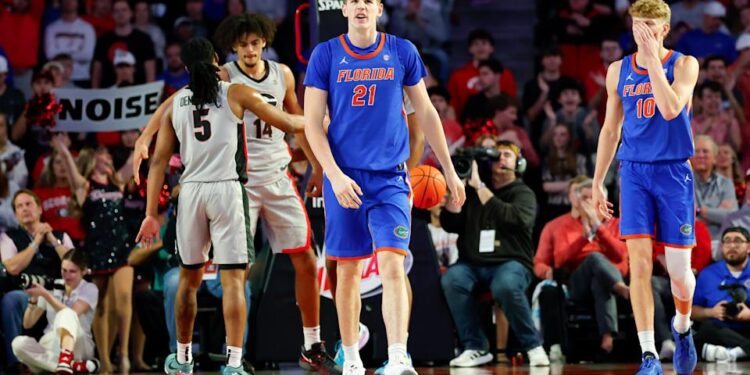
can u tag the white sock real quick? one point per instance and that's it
(312, 336)
(184, 353)
(648, 344)
(351, 353)
(397, 353)
(737, 353)
(234, 356)
(681, 322)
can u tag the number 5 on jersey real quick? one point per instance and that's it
(200, 124)
(360, 91)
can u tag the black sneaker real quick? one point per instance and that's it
(317, 359)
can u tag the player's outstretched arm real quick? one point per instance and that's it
(347, 191)
(608, 139)
(314, 186)
(165, 144)
(140, 152)
(429, 121)
(250, 100)
(670, 99)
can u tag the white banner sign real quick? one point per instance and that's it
(99, 110)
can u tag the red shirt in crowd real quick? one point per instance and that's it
(19, 35)
(56, 211)
(463, 84)
(563, 245)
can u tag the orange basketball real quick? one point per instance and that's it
(427, 185)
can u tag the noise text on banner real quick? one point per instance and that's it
(99, 110)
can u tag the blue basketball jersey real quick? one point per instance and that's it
(368, 127)
(646, 135)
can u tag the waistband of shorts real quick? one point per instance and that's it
(401, 167)
(656, 162)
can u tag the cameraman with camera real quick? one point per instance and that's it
(494, 246)
(720, 301)
(33, 250)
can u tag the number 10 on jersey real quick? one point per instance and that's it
(646, 107)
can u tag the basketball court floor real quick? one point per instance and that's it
(602, 369)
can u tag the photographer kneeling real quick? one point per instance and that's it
(70, 311)
(720, 301)
(494, 246)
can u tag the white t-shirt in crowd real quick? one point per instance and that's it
(86, 292)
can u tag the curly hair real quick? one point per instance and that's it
(233, 28)
(653, 9)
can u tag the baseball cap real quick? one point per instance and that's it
(182, 21)
(123, 57)
(715, 9)
(3, 64)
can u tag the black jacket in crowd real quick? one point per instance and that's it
(510, 213)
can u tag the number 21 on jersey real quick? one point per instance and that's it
(362, 91)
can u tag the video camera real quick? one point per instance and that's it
(484, 157)
(738, 293)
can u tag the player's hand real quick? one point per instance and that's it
(648, 45)
(719, 311)
(456, 187)
(600, 202)
(149, 232)
(314, 186)
(140, 152)
(347, 191)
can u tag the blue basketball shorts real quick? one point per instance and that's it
(657, 201)
(381, 223)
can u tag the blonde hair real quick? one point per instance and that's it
(653, 9)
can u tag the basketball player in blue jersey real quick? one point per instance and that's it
(360, 76)
(649, 103)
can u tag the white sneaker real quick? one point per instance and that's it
(715, 353)
(399, 368)
(667, 350)
(556, 355)
(364, 335)
(353, 368)
(471, 358)
(538, 357)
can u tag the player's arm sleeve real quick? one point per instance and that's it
(518, 213)
(319, 68)
(414, 69)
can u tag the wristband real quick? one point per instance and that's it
(34, 246)
(31, 303)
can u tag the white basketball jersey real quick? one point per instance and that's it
(267, 152)
(212, 144)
